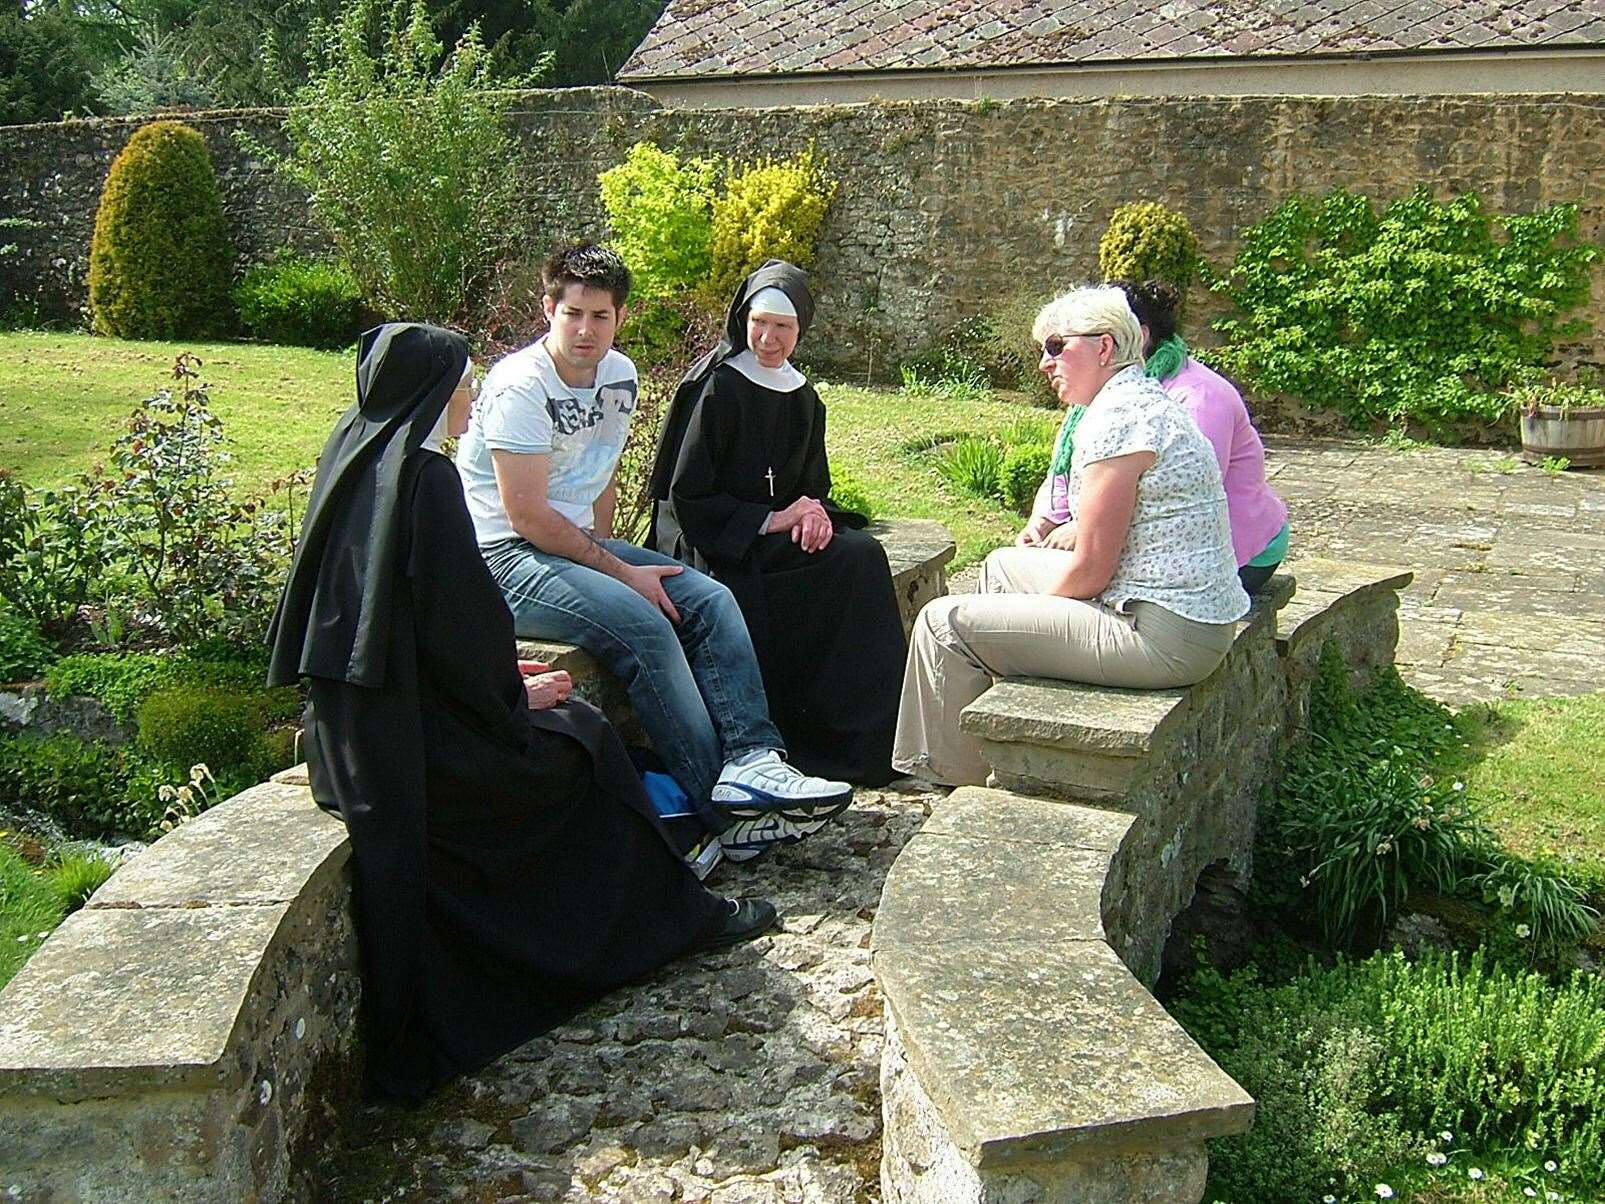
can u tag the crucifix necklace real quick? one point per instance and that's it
(770, 477)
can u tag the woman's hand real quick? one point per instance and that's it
(1034, 532)
(1062, 537)
(547, 690)
(813, 531)
(785, 520)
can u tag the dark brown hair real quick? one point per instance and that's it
(585, 263)
(1155, 303)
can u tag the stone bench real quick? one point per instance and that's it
(190, 1034)
(1019, 930)
(917, 550)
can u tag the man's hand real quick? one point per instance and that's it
(647, 580)
(547, 690)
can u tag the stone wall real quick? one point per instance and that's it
(944, 205)
(1019, 929)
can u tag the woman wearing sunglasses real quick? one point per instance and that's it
(1139, 588)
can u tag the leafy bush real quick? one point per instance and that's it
(1357, 822)
(410, 167)
(122, 681)
(1420, 313)
(974, 466)
(24, 653)
(849, 493)
(51, 551)
(1024, 468)
(1544, 912)
(1356, 1068)
(1526, 398)
(159, 262)
(660, 210)
(302, 302)
(214, 726)
(1147, 241)
(78, 783)
(205, 566)
(946, 373)
(768, 210)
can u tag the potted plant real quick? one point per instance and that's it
(1562, 421)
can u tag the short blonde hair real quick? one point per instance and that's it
(1093, 309)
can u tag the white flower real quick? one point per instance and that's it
(1551, 1166)
(186, 794)
(167, 794)
(1530, 1192)
(1474, 1173)
(1460, 785)
(1437, 1159)
(1446, 1136)
(1551, 1195)
(1507, 896)
(1384, 1192)
(1523, 931)
(1328, 1200)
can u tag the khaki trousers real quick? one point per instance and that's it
(1015, 628)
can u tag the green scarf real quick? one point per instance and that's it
(1167, 359)
(1065, 444)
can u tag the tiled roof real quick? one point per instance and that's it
(770, 37)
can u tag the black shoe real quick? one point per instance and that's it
(743, 920)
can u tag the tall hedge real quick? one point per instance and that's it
(159, 265)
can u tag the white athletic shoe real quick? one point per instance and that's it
(772, 803)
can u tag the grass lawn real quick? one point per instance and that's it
(1534, 766)
(63, 398)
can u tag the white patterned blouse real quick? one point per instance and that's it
(1178, 551)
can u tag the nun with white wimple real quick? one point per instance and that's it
(741, 491)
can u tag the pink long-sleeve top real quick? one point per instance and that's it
(1256, 513)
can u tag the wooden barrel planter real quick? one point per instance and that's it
(1577, 433)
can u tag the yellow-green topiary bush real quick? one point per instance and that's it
(770, 210)
(159, 265)
(1147, 241)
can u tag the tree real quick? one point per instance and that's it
(44, 68)
(407, 159)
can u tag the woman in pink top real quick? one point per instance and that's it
(1258, 516)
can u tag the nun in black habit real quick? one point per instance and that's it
(509, 866)
(741, 490)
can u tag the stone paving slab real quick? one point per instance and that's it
(1509, 592)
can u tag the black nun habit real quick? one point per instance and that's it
(509, 866)
(825, 624)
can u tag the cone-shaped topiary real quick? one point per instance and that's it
(1147, 241)
(159, 264)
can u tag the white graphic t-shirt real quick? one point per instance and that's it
(525, 407)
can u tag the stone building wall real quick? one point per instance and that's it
(944, 205)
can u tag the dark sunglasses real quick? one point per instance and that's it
(1053, 346)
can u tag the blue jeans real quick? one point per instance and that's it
(695, 687)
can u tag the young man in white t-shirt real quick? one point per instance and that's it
(539, 465)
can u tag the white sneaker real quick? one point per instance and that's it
(772, 803)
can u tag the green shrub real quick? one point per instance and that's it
(121, 681)
(946, 372)
(1526, 398)
(1420, 313)
(660, 210)
(849, 493)
(1358, 1066)
(302, 302)
(1147, 241)
(407, 158)
(24, 653)
(1544, 912)
(1358, 822)
(51, 551)
(78, 783)
(44, 66)
(973, 466)
(205, 725)
(768, 210)
(159, 262)
(1023, 470)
